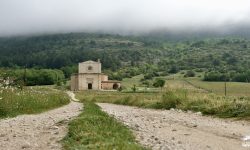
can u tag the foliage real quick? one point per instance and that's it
(159, 83)
(127, 56)
(190, 73)
(237, 77)
(134, 88)
(32, 77)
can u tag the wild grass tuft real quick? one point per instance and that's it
(171, 99)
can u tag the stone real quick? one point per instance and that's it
(195, 125)
(54, 127)
(26, 145)
(198, 113)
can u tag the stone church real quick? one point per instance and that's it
(90, 77)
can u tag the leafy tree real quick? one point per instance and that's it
(174, 69)
(190, 73)
(159, 83)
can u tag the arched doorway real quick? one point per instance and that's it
(89, 86)
(115, 86)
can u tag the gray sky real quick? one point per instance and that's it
(19, 17)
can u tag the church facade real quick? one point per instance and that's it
(90, 77)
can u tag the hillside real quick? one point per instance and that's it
(126, 56)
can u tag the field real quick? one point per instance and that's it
(30, 100)
(233, 88)
(186, 94)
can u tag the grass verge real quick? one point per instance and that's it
(94, 129)
(30, 100)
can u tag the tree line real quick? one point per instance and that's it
(127, 56)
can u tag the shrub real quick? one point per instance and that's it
(159, 83)
(190, 73)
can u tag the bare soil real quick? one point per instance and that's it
(177, 130)
(37, 132)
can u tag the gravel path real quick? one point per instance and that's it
(177, 130)
(37, 132)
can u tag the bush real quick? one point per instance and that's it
(174, 69)
(148, 76)
(190, 73)
(159, 83)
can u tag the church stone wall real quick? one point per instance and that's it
(90, 67)
(104, 77)
(85, 79)
(74, 83)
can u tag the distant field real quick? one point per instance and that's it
(176, 81)
(233, 88)
(182, 84)
(129, 82)
(31, 100)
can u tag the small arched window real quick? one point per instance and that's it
(90, 68)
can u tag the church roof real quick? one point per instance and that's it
(111, 81)
(89, 62)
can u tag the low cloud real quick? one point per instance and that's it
(22, 17)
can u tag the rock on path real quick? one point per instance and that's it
(176, 130)
(37, 132)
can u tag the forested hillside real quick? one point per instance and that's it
(125, 56)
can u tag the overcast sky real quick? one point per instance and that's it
(19, 17)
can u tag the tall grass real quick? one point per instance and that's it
(30, 100)
(94, 129)
(132, 99)
(207, 103)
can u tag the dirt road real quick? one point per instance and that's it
(176, 130)
(37, 132)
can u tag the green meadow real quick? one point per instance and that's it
(30, 100)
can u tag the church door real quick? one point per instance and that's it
(115, 86)
(89, 86)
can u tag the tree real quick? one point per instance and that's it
(134, 88)
(190, 73)
(174, 69)
(159, 83)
